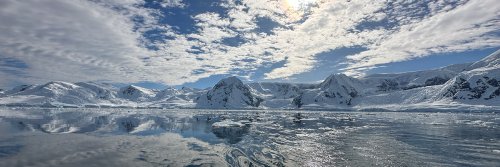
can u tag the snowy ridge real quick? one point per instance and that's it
(136, 93)
(228, 93)
(61, 93)
(90, 94)
(277, 95)
(476, 86)
(479, 86)
(493, 60)
(177, 98)
(410, 80)
(337, 90)
(466, 86)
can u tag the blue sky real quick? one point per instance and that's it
(196, 43)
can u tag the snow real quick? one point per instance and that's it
(228, 93)
(472, 86)
(227, 123)
(336, 89)
(394, 82)
(136, 93)
(490, 61)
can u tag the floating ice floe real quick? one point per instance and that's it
(230, 130)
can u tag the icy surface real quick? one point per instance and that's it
(147, 137)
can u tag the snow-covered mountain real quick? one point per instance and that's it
(473, 85)
(136, 93)
(177, 98)
(277, 95)
(90, 94)
(480, 85)
(491, 61)
(336, 90)
(58, 93)
(17, 89)
(228, 93)
(378, 83)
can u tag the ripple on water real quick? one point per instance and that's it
(244, 138)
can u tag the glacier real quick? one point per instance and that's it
(470, 86)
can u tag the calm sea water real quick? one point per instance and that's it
(126, 137)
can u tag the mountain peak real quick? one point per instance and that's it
(229, 93)
(133, 87)
(59, 84)
(337, 89)
(228, 82)
(136, 93)
(336, 80)
(491, 60)
(470, 83)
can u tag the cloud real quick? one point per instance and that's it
(466, 27)
(328, 28)
(82, 41)
(110, 40)
(172, 3)
(409, 30)
(212, 28)
(69, 40)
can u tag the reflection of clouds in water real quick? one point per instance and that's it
(8, 150)
(117, 150)
(124, 137)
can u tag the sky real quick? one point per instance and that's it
(196, 43)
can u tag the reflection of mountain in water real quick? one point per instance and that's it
(247, 138)
(232, 131)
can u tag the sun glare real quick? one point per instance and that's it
(295, 9)
(299, 5)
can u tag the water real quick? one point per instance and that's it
(126, 137)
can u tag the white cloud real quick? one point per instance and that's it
(65, 40)
(417, 31)
(329, 27)
(212, 28)
(98, 40)
(75, 41)
(172, 3)
(464, 28)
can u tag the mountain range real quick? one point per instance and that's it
(461, 86)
